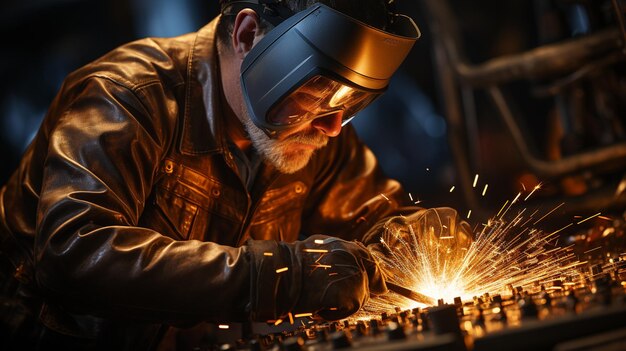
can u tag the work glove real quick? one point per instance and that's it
(428, 241)
(321, 276)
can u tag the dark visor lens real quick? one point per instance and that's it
(319, 96)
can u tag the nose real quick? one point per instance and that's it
(329, 124)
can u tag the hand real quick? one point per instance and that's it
(326, 276)
(434, 234)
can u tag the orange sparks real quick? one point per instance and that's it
(223, 326)
(588, 218)
(315, 250)
(290, 318)
(319, 241)
(469, 214)
(485, 189)
(278, 322)
(385, 197)
(475, 180)
(268, 254)
(284, 269)
(318, 265)
(452, 189)
(302, 315)
(547, 214)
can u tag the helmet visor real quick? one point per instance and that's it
(319, 96)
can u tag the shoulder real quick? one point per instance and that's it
(140, 63)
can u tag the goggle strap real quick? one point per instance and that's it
(273, 11)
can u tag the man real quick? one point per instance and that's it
(176, 181)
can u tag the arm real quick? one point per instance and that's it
(102, 155)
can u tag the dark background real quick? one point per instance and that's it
(44, 40)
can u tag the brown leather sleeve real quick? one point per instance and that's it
(99, 170)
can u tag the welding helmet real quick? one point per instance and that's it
(318, 62)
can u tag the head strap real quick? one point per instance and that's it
(273, 11)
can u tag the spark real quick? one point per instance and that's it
(475, 180)
(319, 241)
(268, 254)
(567, 226)
(503, 206)
(385, 197)
(411, 197)
(452, 189)
(302, 315)
(223, 326)
(469, 214)
(284, 269)
(547, 214)
(424, 257)
(485, 189)
(594, 249)
(315, 250)
(290, 318)
(588, 218)
(537, 187)
(278, 322)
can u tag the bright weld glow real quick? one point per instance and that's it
(586, 219)
(315, 250)
(268, 254)
(302, 315)
(223, 326)
(505, 253)
(319, 241)
(485, 189)
(452, 189)
(475, 180)
(284, 269)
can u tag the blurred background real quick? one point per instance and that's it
(498, 98)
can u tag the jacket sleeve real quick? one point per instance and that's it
(351, 193)
(103, 151)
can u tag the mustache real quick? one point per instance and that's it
(313, 137)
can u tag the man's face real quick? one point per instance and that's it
(290, 150)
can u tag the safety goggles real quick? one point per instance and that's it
(319, 96)
(319, 62)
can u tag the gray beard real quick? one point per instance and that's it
(277, 152)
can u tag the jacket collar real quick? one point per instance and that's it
(203, 131)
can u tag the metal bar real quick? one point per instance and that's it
(410, 294)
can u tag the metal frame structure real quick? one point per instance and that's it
(566, 62)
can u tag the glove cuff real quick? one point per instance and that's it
(275, 279)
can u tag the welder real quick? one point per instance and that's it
(211, 177)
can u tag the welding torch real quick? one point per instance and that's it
(410, 294)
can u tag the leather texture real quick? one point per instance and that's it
(127, 209)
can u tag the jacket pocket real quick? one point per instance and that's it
(194, 205)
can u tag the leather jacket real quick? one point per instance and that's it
(128, 206)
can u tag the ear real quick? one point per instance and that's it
(245, 31)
